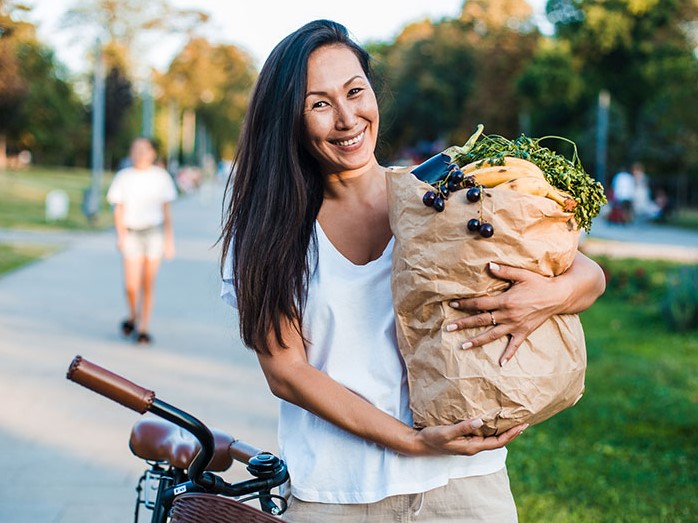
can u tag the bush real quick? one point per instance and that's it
(680, 303)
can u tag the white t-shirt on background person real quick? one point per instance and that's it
(143, 192)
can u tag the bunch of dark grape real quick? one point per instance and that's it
(454, 180)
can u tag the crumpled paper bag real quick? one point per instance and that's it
(435, 260)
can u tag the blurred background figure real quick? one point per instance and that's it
(644, 207)
(623, 186)
(141, 196)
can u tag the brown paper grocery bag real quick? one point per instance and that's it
(435, 260)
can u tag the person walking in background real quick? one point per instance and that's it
(623, 195)
(141, 196)
(306, 260)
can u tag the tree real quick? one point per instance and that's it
(447, 77)
(505, 38)
(49, 120)
(644, 53)
(214, 82)
(128, 23)
(12, 85)
(428, 73)
(39, 110)
(118, 102)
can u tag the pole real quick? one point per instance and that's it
(173, 137)
(602, 135)
(93, 196)
(148, 109)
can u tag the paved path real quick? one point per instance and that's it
(64, 450)
(642, 240)
(64, 456)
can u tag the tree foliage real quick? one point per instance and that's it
(644, 53)
(444, 78)
(214, 81)
(127, 24)
(39, 110)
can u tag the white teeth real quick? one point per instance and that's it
(346, 143)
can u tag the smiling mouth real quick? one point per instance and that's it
(351, 141)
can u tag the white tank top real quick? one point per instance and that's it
(350, 325)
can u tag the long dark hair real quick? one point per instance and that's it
(276, 190)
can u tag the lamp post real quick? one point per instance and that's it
(92, 197)
(602, 135)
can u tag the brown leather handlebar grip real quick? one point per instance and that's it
(111, 385)
(243, 452)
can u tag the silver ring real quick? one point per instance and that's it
(494, 322)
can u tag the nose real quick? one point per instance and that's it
(345, 115)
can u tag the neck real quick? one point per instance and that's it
(361, 185)
(345, 176)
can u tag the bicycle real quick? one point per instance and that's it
(182, 462)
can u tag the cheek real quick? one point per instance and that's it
(369, 109)
(316, 127)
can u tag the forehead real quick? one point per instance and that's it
(141, 144)
(332, 64)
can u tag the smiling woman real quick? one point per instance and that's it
(341, 119)
(307, 259)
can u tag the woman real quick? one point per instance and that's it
(307, 260)
(141, 196)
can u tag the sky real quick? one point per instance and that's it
(257, 25)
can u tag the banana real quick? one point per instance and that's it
(524, 166)
(538, 187)
(492, 176)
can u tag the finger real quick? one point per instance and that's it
(483, 303)
(495, 442)
(482, 319)
(507, 272)
(485, 337)
(512, 347)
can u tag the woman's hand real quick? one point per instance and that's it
(458, 438)
(528, 303)
(293, 379)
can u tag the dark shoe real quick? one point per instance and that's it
(144, 338)
(127, 327)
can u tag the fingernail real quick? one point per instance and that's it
(524, 428)
(503, 362)
(454, 304)
(451, 327)
(466, 345)
(477, 423)
(494, 266)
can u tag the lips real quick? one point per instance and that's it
(350, 141)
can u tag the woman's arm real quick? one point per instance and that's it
(529, 302)
(168, 230)
(119, 225)
(292, 378)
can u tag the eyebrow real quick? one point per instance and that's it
(345, 85)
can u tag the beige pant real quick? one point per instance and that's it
(146, 243)
(473, 499)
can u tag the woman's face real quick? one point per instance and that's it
(142, 154)
(341, 112)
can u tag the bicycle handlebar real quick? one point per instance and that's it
(269, 470)
(110, 385)
(243, 452)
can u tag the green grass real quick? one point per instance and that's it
(627, 452)
(23, 196)
(686, 219)
(14, 256)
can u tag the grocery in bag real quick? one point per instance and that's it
(512, 202)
